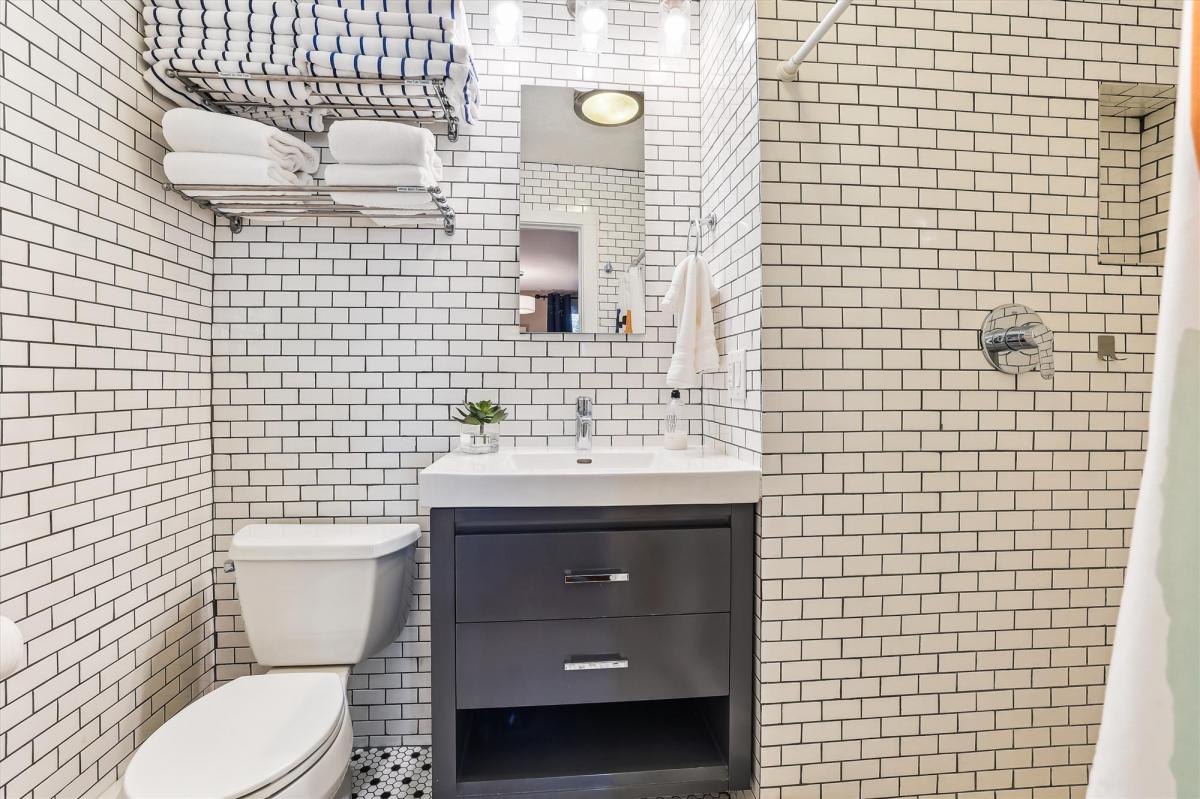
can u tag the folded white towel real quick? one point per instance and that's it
(190, 130)
(413, 200)
(231, 13)
(241, 170)
(445, 8)
(352, 45)
(371, 141)
(290, 58)
(382, 175)
(324, 63)
(262, 27)
(691, 298)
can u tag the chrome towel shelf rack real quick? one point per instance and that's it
(241, 203)
(434, 106)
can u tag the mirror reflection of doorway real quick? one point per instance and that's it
(559, 270)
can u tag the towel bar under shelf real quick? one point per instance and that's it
(382, 106)
(237, 203)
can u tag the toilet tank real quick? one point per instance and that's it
(323, 594)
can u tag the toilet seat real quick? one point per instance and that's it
(255, 733)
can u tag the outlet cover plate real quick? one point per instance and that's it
(735, 375)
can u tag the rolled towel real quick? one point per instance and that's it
(241, 170)
(370, 141)
(190, 130)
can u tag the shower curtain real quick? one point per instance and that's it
(1150, 727)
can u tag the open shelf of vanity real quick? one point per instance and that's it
(591, 651)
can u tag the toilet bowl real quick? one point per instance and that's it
(316, 599)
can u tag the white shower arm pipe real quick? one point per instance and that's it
(789, 68)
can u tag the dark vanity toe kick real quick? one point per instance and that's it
(630, 785)
(581, 661)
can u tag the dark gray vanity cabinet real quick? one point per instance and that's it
(591, 652)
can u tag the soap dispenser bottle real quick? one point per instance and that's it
(675, 426)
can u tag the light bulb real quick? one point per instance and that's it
(506, 22)
(593, 19)
(591, 25)
(674, 26)
(507, 12)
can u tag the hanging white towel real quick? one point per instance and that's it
(691, 298)
(370, 141)
(634, 291)
(217, 168)
(191, 130)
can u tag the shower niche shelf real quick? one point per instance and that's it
(241, 204)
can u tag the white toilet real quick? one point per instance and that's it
(316, 599)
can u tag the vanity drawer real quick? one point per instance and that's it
(520, 664)
(592, 574)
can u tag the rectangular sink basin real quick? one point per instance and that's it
(539, 478)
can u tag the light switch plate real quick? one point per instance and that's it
(735, 375)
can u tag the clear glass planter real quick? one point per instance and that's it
(477, 439)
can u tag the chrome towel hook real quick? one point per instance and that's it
(698, 225)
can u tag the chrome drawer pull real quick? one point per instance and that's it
(598, 576)
(607, 662)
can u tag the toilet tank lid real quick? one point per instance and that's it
(321, 541)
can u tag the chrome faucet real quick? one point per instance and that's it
(1014, 339)
(584, 423)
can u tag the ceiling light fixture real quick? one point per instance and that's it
(591, 25)
(609, 108)
(674, 27)
(507, 18)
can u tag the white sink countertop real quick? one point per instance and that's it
(541, 478)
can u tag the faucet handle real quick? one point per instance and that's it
(1044, 339)
(583, 405)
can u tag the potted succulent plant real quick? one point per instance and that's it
(480, 426)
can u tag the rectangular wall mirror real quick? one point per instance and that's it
(583, 211)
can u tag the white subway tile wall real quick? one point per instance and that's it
(105, 470)
(730, 166)
(340, 351)
(1157, 141)
(942, 545)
